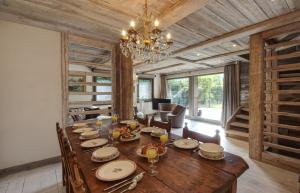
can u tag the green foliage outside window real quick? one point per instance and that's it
(210, 90)
(178, 91)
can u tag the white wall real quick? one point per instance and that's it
(30, 87)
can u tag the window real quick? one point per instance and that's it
(77, 87)
(145, 89)
(178, 92)
(106, 88)
(210, 96)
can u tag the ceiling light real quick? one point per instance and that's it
(234, 45)
(147, 43)
(198, 54)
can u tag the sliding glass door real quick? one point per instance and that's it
(210, 97)
(178, 92)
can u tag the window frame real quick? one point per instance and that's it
(138, 90)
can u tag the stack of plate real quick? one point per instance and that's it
(157, 132)
(211, 151)
(105, 154)
(89, 135)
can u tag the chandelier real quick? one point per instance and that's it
(149, 44)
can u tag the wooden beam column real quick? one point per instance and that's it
(256, 96)
(123, 85)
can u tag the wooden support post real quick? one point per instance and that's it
(256, 96)
(123, 85)
(64, 77)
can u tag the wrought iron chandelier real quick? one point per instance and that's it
(149, 44)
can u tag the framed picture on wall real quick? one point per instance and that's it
(73, 87)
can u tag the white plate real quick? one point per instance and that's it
(211, 158)
(94, 143)
(128, 122)
(116, 170)
(186, 143)
(211, 148)
(89, 134)
(105, 160)
(147, 129)
(137, 136)
(105, 152)
(79, 124)
(139, 152)
(82, 130)
(86, 138)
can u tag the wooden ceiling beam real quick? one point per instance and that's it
(180, 10)
(243, 32)
(228, 54)
(161, 68)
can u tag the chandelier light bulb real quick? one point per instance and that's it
(132, 24)
(168, 36)
(156, 23)
(124, 33)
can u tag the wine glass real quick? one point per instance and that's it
(152, 156)
(98, 125)
(115, 135)
(114, 118)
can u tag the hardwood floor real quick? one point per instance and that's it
(259, 178)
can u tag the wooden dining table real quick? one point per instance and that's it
(181, 171)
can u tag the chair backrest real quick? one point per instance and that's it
(163, 125)
(144, 121)
(166, 106)
(73, 173)
(201, 137)
(178, 109)
(61, 139)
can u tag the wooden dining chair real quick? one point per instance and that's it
(60, 136)
(75, 181)
(163, 125)
(144, 121)
(201, 137)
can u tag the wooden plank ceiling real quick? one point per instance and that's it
(194, 25)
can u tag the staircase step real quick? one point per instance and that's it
(245, 109)
(241, 116)
(237, 134)
(238, 124)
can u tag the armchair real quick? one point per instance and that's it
(164, 109)
(177, 116)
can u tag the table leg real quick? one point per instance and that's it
(233, 187)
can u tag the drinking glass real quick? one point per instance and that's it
(98, 125)
(152, 156)
(114, 118)
(115, 135)
(164, 138)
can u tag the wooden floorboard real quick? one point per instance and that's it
(260, 177)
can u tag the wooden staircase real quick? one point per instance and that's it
(238, 125)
